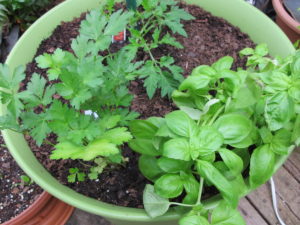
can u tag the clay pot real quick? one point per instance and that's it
(46, 210)
(286, 22)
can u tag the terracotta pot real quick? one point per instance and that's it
(46, 210)
(286, 22)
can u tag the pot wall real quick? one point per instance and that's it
(287, 23)
(237, 12)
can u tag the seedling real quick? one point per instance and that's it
(75, 175)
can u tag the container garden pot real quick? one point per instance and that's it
(286, 22)
(46, 210)
(232, 10)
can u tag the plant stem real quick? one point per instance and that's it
(216, 115)
(200, 191)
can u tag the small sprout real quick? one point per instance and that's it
(75, 175)
(25, 180)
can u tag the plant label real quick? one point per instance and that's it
(120, 37)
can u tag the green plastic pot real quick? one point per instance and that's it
(250, 20)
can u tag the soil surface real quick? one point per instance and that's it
(15, 197)
(209, 38)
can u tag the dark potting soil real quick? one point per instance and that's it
(209, 38)
(15, 197)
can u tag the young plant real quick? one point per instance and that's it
(83, 81)
(223, 114)
(154, 17)
(75, 175)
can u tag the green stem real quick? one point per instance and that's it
(181, 204)
(200, 191)
(216, 115)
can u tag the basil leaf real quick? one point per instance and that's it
(142, 129)
(244, 155)
(180, 123)
(193, 220)
(169, 186)
(234, 127)
(191, 185)
(210, 173)
(232, 161)
(144, 146)
(153, 203)
(296, 131)
(193, 113)
(223, 63)
(204, 69)
(205, 141)
(281, 141)
(149, 168)
(278, 111)
(172, 165)
(177, 148)
(261, 165)
(195, 83)
(224, 214)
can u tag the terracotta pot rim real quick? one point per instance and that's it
(285, 16)
(37, 207)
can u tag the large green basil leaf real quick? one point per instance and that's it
(244, 154)
(210, 173)
(148, 165)
(177, 148)
(261, 165)
(281, 141)
(232, 161)
(195, 82)
(205, 141)
(142, 129)
(278, 111)
(204, 69)
(164, 131)
(296, 131)
(154, 204)
(172, 165)
(223, 63)
(183, 99)
(144, 147)
(169, 186)
(191, 185)
(193, 220)
(180, 123)
(224, 214)
(234, 127)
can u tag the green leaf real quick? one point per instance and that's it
(177, 148)
(180, 123)
(169, 186)
(195, 83)
(223, 63)
(117, 22)
(169, 165)
(191, 185)
(261, 49)
(95, 149)
(169, 40)
(148, 165)
(234, 127)
(224, 214)
(65, 150)
(210, 173)
(117, 135)
(278, 111)
(154, 204)
(142, 129)
(232, 161)
(205, 141)
(37, 125)
(296, 131)
(281, 141)
(261, 165)
(144, 147)
(193, 220)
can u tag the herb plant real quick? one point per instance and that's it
(154, 17)
(223, 116)
(82, 81)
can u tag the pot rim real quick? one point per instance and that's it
(27, 160)
(42, 211)
(285, 16)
